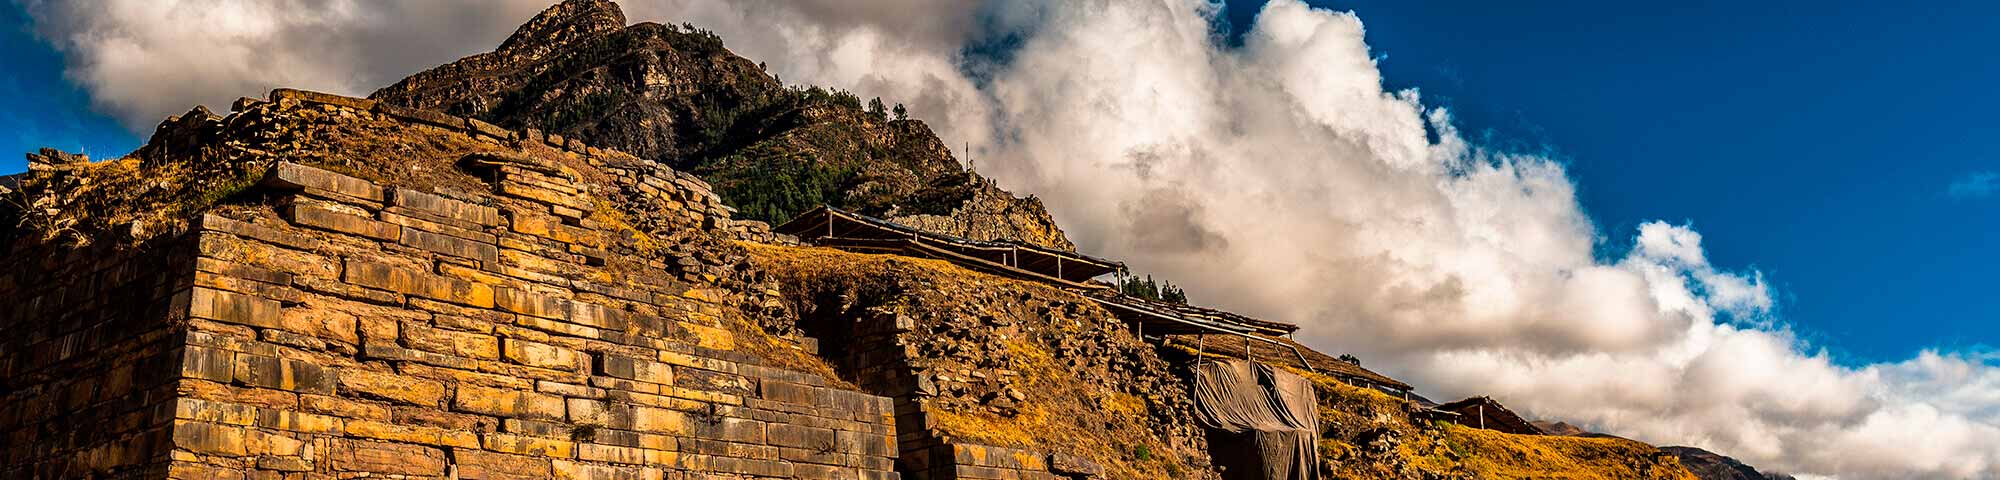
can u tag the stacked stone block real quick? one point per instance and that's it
(387, 331)
(345, 329)
(87, 358)
(871, 350)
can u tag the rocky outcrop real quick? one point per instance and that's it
(987, 213)
(675, 95)
(994, 378)
(1708, 465)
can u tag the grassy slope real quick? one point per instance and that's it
(1091, 404)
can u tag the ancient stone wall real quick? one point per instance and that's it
(330, 326)
(358, 329)
(87, 356)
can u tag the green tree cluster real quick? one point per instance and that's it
(1147, 288)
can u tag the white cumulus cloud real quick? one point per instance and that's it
(1278, 178)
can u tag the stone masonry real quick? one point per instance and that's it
(342, 328)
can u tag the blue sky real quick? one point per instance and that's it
(1838, 148)
(39, 108)
(1818, 142)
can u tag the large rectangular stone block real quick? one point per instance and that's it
(299, 421)
(292, 175)
(444, 207)
(482, 465)
(283, 374)
(522, 445)
(543, 355)
(508, 403)
(411, 434)
(388, 386)
(799, 436)
(634, 369)
(610, 454)
(412, 282)
(450, 342)
(450, 245)
(348, 455)
(309, 215)
(597, 316)
(234, 308)
(214, 412)
(598, 413)
(566, 470)
(210, 439)
(210, 364)
(530, 303)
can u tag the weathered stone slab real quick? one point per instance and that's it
(392, 387)
(410, 282)
(481, 465)
(418, 115)
(610, 454)
(342, 407)
(471, 345)
(567, 470)
(209, 439)
(314, 216)
(321, 98)
(543, 355)
(298, 421)
(417, 220)
(1074, 466)
(627, 417)
(208, 364)
(598, 316)
(529, 303)
(508, 403)
(539, 193)
(234, 308)
(634, 369)
(385, 458)
(520, 445)
(411, 434)
(214, 412)
(450, 245)
(482, 128)
(295, 176)
(282, 374)
(238, 270)
(798, 436)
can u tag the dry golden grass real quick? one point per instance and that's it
(1068, 411)
(1490, 454)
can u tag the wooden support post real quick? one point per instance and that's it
(1200, 351)
(1246, 348)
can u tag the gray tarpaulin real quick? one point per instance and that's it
(1263, 423)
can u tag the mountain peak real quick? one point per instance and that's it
(563, 23)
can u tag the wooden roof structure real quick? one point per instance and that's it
(1484, 412)
(833, 227)
(839, 228)
(1201, 314)
(1284, 351)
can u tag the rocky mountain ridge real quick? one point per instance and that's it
(676, 95)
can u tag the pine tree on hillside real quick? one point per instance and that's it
(876, 110)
